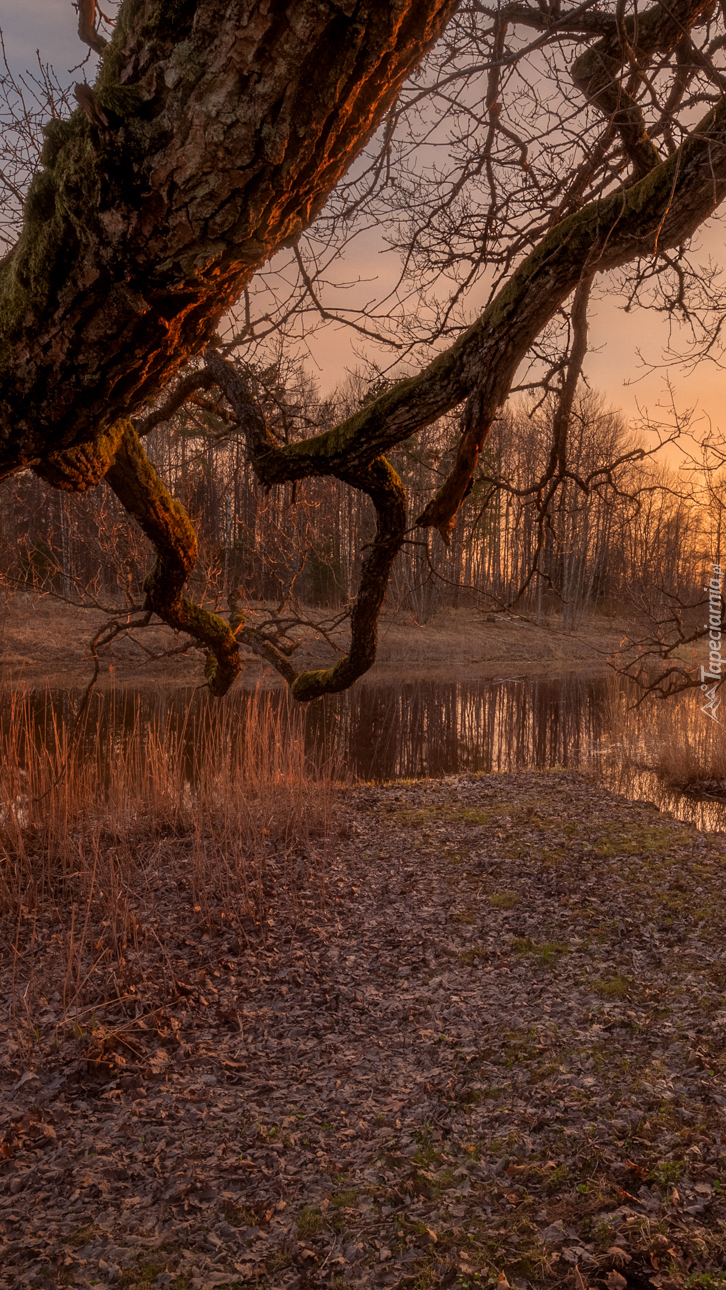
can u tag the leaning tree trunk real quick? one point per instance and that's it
(214, 134)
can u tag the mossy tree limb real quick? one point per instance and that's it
(118, 456)
(212, 137)
(385, 490)
(627, 43)
(78, 469)
(442, 510)
(135, 482)
(659, 212)
(658, 30)
(379, 480)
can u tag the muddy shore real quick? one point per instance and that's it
(44, 641)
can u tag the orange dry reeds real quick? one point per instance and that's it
(197, 810)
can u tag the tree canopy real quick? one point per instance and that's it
(576, 140)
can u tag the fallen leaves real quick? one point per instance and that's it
(401, 1086)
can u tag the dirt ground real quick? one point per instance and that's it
(42, 640)
(484, 1047)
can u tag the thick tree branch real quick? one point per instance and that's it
(385, 490)
(87, 26)
(661, 211)
(226, 135)
(213, 138)
(381, 483)
(443, 508)
(596, 72)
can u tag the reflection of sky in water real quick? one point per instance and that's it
(390, 731)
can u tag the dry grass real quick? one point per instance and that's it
(489, 1092)
(678, 741)
(104, 843)
(691, 752)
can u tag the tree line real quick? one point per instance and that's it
(624, 527)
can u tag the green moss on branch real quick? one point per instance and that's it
(660, 211)
(79, 469)
(135, 482)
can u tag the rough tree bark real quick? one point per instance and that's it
(229, 124)
(213, 136)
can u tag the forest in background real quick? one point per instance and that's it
(626, 532)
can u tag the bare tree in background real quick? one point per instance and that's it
(531, 152)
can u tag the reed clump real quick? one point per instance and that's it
(691, 754)
(199, 819)
(676, 739)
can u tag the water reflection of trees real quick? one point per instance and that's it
(381, 731)
(392, 730)
(436, 728)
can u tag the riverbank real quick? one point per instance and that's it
(44, 641)
(483, 1045)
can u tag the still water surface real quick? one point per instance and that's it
(385, 730)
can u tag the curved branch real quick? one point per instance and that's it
(633, 40)
(228, 128)
(563, 410)
(441, 511)
(164, 521)
(385, 490)
(183, 390)
(87, 26)
(379, 480)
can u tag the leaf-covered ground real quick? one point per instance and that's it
(492, 1053)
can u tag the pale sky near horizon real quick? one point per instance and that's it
(50, 27)
(47, 25)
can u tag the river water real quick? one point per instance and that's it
(390, 730)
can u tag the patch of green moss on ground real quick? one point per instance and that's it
(640, 839)
(549, 952)
(504, 899)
